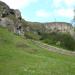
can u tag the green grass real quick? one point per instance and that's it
(19, 56)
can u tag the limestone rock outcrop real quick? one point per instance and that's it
(10, 18)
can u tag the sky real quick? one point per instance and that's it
(44, 10)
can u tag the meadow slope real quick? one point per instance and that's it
(20, 56)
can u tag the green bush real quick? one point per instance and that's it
(31, 35)
(63, 40)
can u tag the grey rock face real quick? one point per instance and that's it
(10, 18)
(5, 6)
(6, 22)
(18, 14)
(4, 9)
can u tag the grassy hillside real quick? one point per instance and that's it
(19, 56)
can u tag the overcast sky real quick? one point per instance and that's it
(44, 10)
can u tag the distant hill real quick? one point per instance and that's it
(59, 26)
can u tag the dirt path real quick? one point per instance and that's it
(53, 49)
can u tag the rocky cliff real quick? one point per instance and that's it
(10, 18)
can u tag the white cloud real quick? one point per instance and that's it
(17, 4)
(56, 3)
(68, 3)
(63, 8)
(43, 13)
(65, 13)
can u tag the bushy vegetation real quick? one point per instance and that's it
(31, 35)
(63, 40)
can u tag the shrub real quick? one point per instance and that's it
(63, 40)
